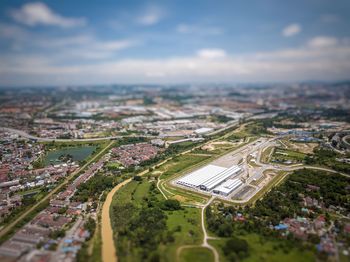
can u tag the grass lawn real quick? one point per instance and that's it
(282, 155)
(263, 250)
(180, 163)
(184, 196)
(196, 254)
(124, 195)
(191, 232)
(141, 190)
(266, 250)
(190, 221)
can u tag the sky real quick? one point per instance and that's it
(47, 43)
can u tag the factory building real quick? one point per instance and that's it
(216, 180)
(209, 177)
(228, 187)
(198, 177)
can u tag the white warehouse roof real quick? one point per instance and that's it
(228, 186)
(208, 177)
(203, 130)
(212, 182)
(201, 175)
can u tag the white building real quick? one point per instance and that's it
(209, 177)
(216, 180)
(203, 130)
(228, 187)
(198, 177)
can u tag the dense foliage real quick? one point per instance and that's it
(235, 249)
(327, 157)
(331, 191)
(141, 226)
(94, 187)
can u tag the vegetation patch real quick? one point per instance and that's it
(196, 254)
(296, 219)
(148, 227)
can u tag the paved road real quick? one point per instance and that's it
(314, 168)
(158, 186)
(9, 227)
(43, 139)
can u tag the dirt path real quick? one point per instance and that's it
(206, 237)
(108, 249)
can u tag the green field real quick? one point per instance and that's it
(287, 156)
(184, 223)
(201, 254)
(180, 163)
(262, 249)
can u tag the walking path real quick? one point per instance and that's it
(206, 237)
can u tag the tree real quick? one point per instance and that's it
(171, 204)
(237, 246)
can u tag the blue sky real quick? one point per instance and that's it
(102, 42)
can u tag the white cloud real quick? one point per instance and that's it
(322, 41)
(38, 13)
(211, 53)
(303, 63)
(291, 30)
(151, 16)
(64, 48)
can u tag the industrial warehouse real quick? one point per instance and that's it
(211, 178)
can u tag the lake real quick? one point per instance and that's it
(78, 154)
